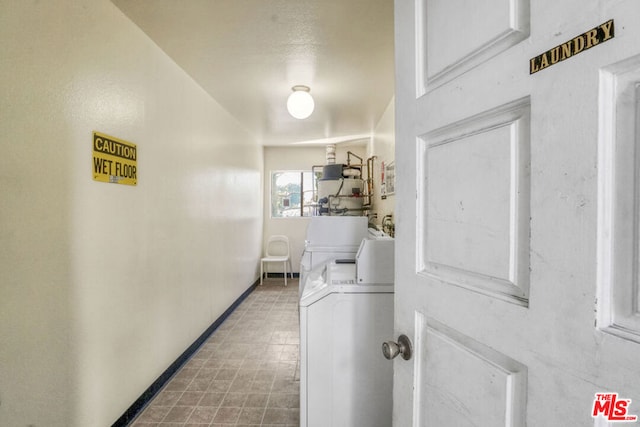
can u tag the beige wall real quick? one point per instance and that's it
(102, 286)
(383, 146)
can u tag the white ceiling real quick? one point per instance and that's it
(249, 53)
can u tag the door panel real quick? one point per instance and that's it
(619, 216)
(461, 381)
(518, 206)
(447, 52)
(474, 193)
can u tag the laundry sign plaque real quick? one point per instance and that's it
(114, 160)
(576, 45)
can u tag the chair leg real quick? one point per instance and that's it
(261, 271)
(285, 273)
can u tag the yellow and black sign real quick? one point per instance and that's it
(587, 40)
(114, 160)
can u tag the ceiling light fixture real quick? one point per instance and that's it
(300, 103)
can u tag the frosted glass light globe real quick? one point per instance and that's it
(300, 103)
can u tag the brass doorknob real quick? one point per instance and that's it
(391, 349)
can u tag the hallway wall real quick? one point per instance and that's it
(103, 286)
(383, 145)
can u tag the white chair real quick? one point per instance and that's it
(277, 251)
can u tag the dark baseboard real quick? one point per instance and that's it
(137, 407)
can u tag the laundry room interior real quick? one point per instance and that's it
(379, 150)
(312, 213)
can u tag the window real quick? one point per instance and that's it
(292, 193)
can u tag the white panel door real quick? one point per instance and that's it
(518, 206)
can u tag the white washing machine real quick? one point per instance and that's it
(346, 313)
(331, 237)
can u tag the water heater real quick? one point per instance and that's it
(340, 191)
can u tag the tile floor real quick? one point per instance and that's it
(245, 374)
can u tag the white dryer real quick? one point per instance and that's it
(331, 237)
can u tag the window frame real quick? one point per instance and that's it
(303, 190)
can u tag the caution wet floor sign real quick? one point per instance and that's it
(114, 161)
